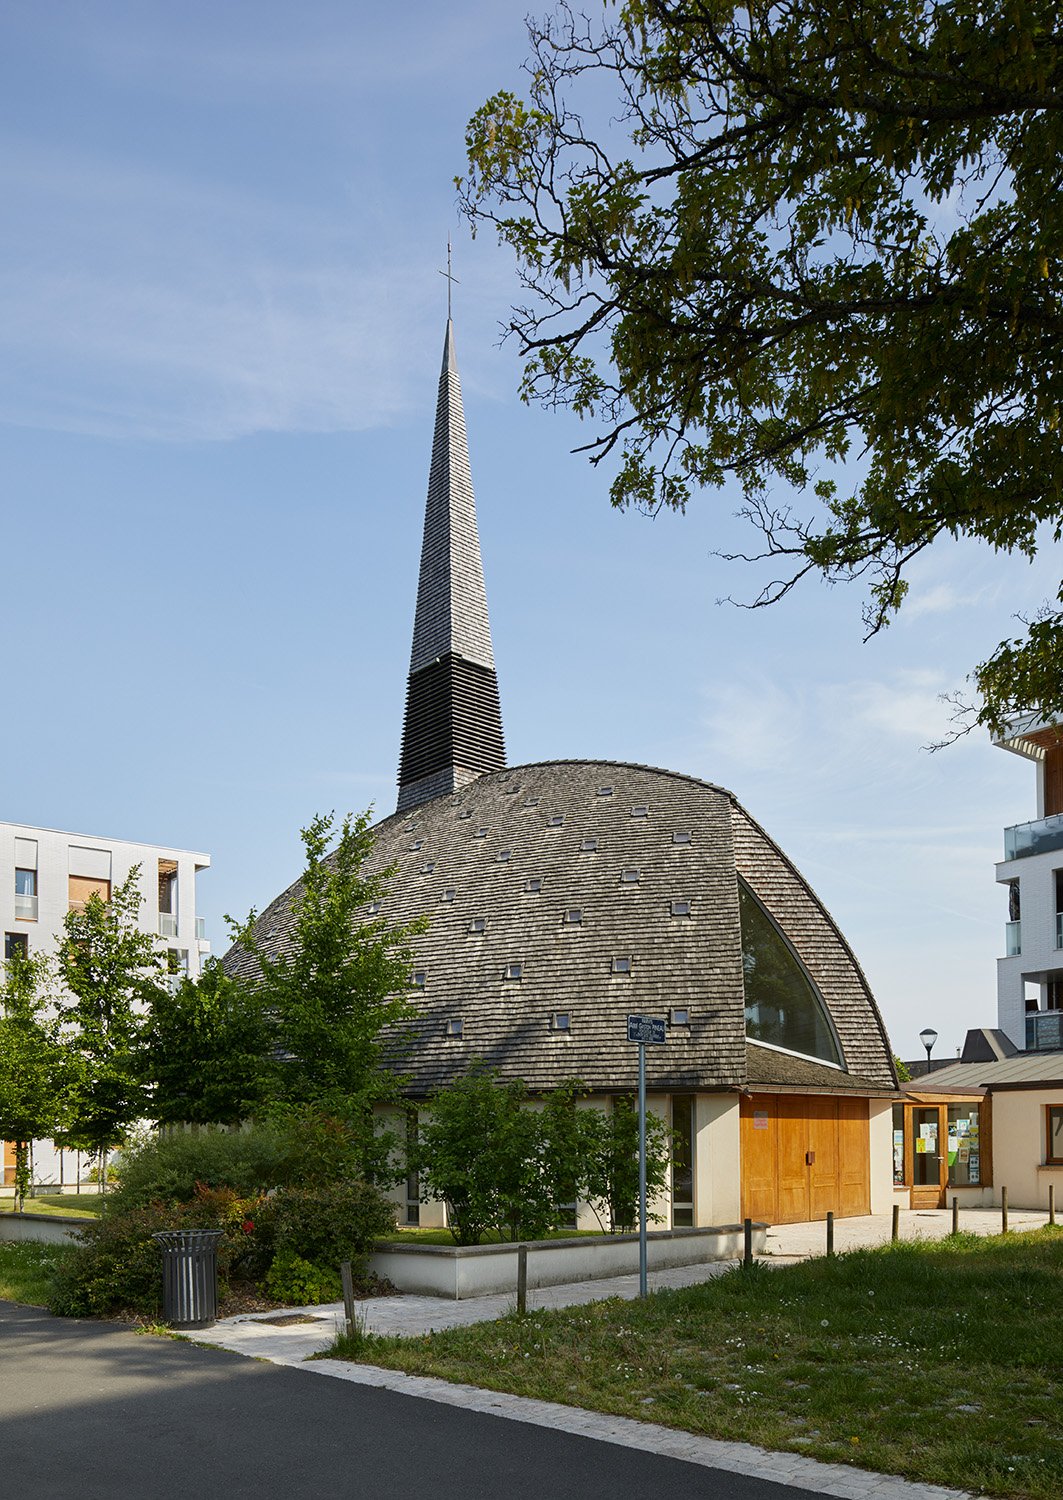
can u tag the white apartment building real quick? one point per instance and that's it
(44, 872)
(1030, 975)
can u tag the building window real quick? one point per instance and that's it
(680, 908)
(481, 833)
(455, 1027)
(81, 887)
(417, 844)
(478, 924)
(418, 979)
(429, 868)
(621, 966)
(682, 1161)
(573, 917)
(783, 1007)
(898, 1145)
(561, 1020)
(640, 812)
(514, 971)
(964, 1145)
(167, 875)
(26, 895)
(588, 846)
(466, 812)
(504, 856)
(682, 837)
(448, 894)
(374, 908)
(1054, 1135)
(605, 791)
(556, 821)
(16, 944)
(413, 1182)
(531, 802)
(534, 884)
(630, 877)
(679, 1015)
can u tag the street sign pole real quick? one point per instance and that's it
(642, 1169)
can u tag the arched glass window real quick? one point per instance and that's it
(783, 1006)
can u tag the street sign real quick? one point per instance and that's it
(645, 1029)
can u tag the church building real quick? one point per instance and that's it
(565, 895)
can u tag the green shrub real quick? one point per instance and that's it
(301, 1283)
(167, 1168)
(328, 1225)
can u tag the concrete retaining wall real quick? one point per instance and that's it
(478, 1270)
(45, 1229)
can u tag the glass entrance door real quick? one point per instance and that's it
(927, 1182)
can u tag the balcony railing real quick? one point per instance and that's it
(1012, 939)
(1039, 837)
(167, 924)
(1044, 1031)
(26, 908)
(201, 927)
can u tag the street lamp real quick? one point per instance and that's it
(928, 1037)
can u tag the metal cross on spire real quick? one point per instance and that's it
(451, 279)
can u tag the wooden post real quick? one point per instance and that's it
(830, 1232)
(348, 1297)
(895, 1232)
(955, 1216)
(522, 1279)
(1003, 1210)
(747, 1249)
(1051, 1203)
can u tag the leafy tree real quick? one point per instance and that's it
(903, 1071)
(205, 1051)
(31, 1064)
(611, 1166)
(111, 977)
(817, 231)
(336, 995)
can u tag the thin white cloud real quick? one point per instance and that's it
(943, 598)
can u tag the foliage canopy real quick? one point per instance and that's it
(817, 231)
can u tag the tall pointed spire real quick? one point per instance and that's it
(453, 729)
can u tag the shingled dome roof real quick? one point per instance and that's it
(565, 895)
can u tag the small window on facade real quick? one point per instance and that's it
(481, 833)
(513, 971)
(573, 917)
(679, 1015)
(630, 877)
(588, 846)
(531, 802)
(448, 894)
(561, 1020)
(1054, 1135)
(374, 908)
(504, 855)
(478, 924)
(640, 812)
(605, 791)
(26, 895)
(556, 821)
(621, 966)
(429, 868)
(16, 944)
(682, 836)
(534, 885)
(455, 1026)
(680, 908)
(418, 979)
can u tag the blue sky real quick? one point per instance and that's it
(220, 331)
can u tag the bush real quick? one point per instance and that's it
(327, 1226)
(300, 1283)
(167, 1168)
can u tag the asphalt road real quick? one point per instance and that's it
(91, 1411)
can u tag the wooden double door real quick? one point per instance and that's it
(803, 1156)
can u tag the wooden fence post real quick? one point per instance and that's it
(522, 1279)
(830, 1232)
(747, 1248)
(1003, 1210)
(955, 1216)
(895, 1232)
(1051, 1203)
(348, 1296)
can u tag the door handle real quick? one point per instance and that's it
(810, 1158)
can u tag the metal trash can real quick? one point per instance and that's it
(189, 1276)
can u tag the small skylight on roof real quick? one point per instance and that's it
(466, 812)
(556, 820)
(605, 791)
(448, 894)
(533, 884)
(478, 924)
(630, 877)
(408, 827)
(455, 1026)
(682, 837)
(481, 833)
(640, 812)
(679, 1015)
(418, 979)
(504, 855)
(514, 971)
(573, 917)
(561, 1020)
(531, 802)
(511, 791)
(621, 966)
(374, 907)
(588, 846)
(680, 908)
(417, 844)
(429, 868)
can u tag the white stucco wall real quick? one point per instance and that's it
(1019, 1147)
(880, 1142)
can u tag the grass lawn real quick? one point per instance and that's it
(444, 1237)
(74, 1205)
(940, 1361)
(26, 1271)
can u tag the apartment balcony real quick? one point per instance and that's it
(1012, 939)
(1044, 1031)
(26, 908)
(1039, 837)
(167, 924)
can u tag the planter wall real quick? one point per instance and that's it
(45, 1229)
(479, 1270)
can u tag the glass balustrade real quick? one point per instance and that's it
(1012, 939)
(1039, 837)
